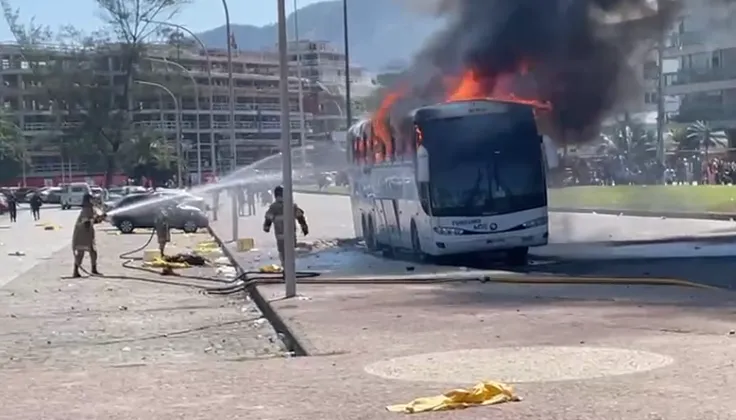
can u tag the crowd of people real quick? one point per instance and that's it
(617, 170)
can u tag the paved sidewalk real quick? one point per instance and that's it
(80, 331)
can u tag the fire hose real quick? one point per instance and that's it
(247, 279)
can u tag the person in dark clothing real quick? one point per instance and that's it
(13, 208)
(251, 201)
(275, 217)
(35, 203)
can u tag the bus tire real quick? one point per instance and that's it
(416, 246)
(370, 235)
(518, 257)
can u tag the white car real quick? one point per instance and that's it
(72, 194)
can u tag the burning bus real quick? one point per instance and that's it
(460, 177)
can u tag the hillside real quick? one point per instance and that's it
(382, 32)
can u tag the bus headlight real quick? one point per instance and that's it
(541, 221)
(448, 231)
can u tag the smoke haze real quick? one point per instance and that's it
(576, 53)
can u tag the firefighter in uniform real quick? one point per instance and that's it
(163, 227)
(83, 237)
(275, 217)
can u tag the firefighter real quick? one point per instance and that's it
(83, 238)
(163, 227)
(275, 217)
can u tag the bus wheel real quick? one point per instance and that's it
(416, 246)
(518, 257)
(370, 235)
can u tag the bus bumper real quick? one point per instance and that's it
(453, 245)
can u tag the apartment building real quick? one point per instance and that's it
(700, 65)
(205, 136)
(324, 67)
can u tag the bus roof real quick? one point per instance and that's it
(462, 108)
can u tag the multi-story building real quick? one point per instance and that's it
(700, 66)
(257, 108)
(324, 67)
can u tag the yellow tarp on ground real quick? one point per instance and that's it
(161, 263)
(485, 393)
(272, 268)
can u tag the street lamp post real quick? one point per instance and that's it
(196, 105)
(289, 222)
(178, 124)
(346, 37)
(231, 94)
(213, 149)
(302, 124)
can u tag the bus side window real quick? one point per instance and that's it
(378, 152)
(368, 149)
(391, 152)
(396, 144)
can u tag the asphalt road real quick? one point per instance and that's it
(580, 244)
(31, 240)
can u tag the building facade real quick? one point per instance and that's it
(700, 66)
(206, 137)
(323, 66)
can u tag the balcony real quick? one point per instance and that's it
(693, 43)
(217, 125)
(721, 115)
(691, 81)
(49, 126)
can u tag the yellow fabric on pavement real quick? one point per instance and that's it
(161, 263)
(484, 393)
(272, 268)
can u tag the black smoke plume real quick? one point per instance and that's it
(578, 53)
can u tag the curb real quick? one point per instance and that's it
(651, 213)
(615, 212)
(288, 337)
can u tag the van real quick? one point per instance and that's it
(72, 194)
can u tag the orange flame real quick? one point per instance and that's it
(380, 124)
(471, 87)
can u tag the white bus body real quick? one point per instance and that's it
(407, 195)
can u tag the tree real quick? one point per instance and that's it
(149, 156)
(631, 140)
(701, 136)
(13, 149)
(91, 106)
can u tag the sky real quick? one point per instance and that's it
(198, 16)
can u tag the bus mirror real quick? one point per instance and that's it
(422, 164)
(550, 153)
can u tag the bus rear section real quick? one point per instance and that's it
(481, 180)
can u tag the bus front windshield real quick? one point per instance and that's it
(484, 165)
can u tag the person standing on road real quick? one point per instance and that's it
(13, 208)
(35, 203)
(251, 200)
(275, 217)
(83, 238)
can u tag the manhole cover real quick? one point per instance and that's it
(519, 364)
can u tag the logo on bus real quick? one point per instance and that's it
(485, 226)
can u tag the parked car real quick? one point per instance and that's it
(52, 195)
(184, 217)
(183, 197)
(73, 193)
(23, 194)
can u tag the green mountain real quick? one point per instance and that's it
(382, 32)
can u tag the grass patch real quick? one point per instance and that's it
(656, 198)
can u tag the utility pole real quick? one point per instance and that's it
(661, 155)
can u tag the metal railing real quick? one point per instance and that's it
(219, 125)
(686, 77)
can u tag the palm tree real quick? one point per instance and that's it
(700, 135)
(147, 155)
(631, 140)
